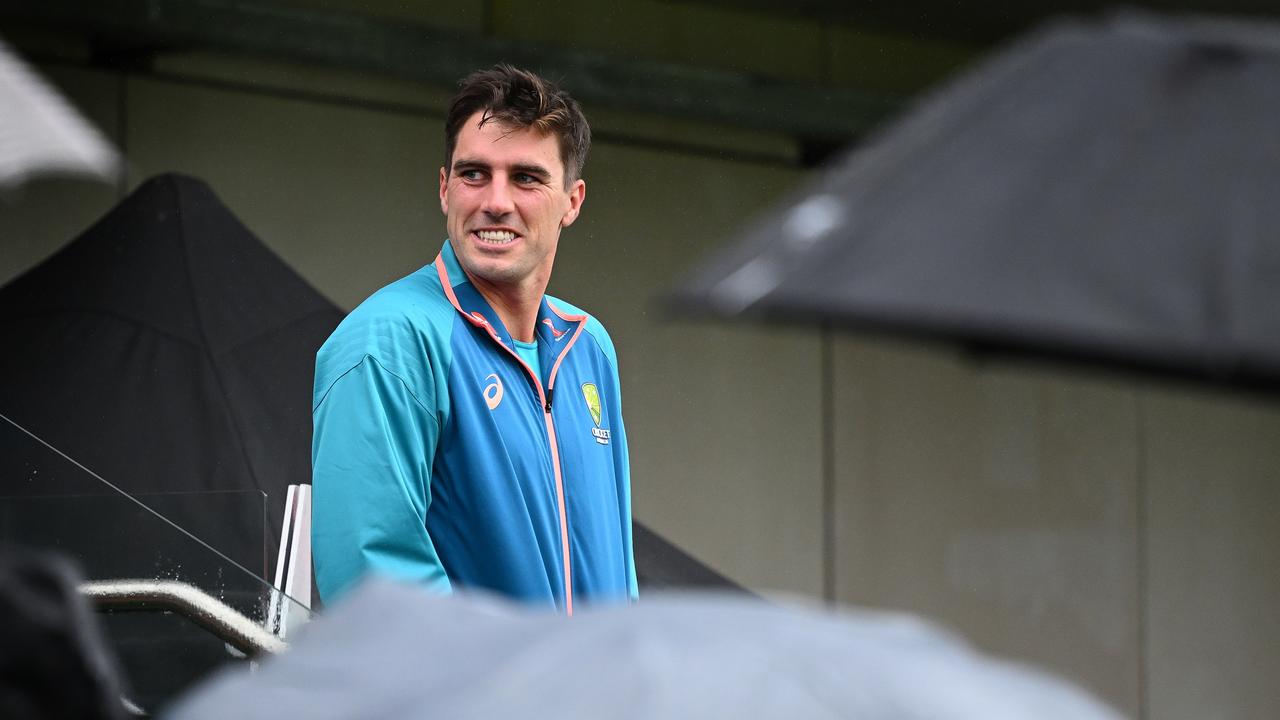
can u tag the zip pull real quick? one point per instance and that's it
(548, 405)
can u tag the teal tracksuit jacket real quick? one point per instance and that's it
(439, 457)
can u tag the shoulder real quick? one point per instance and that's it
(399, 325)
(413, 300)
(594, 329)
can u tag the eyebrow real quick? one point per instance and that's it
(539, 171)
(532, 169)
(468, 164)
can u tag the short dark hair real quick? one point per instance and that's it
(520, 99)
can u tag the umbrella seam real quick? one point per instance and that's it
(275, 329)
(105, 313)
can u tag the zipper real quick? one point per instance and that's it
(555, 458)
(560, 502)
(544, 398)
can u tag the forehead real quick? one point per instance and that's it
(497, 143)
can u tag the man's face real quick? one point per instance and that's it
(505, 202)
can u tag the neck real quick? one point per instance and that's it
(517, 307)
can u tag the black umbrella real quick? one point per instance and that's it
(169, 351)
(1098, 190)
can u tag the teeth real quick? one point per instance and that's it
(496, 236)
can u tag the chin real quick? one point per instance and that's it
(497, 274)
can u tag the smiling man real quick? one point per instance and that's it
(468, 427)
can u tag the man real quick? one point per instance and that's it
(468, 428)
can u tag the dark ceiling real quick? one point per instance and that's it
(129, 32)
(976, 21)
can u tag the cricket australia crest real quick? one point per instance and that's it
(591, 394)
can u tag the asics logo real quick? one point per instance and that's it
(493, 392)
(557, 333)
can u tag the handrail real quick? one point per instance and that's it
(189, 601)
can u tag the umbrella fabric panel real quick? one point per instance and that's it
(72, 369)
(40, 133)
(660, 565)
(129, 265)
(1095, 190)
(402, 653)
(126, 403)
(270, 381)
(1023, 250)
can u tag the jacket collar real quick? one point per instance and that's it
(554, 326)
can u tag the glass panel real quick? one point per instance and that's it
(48, 501)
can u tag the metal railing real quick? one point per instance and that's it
(188, 601)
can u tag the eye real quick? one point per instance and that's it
(470, 174)
(525, 179)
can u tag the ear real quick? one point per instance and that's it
(444, 191)
(577, 193)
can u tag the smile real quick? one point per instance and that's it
(495, 237)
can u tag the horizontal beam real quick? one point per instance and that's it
(343, 40)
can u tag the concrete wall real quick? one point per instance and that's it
(1114, 530)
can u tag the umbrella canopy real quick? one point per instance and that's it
(169, 351)
(1098, 190)
(40, 133)
(662, 565)
(393, 651)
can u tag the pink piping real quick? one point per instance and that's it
(542, 399)
(581, 321)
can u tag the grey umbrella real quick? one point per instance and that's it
(393, 651)
(1100, 190)
(41, 134)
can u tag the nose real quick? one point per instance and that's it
(497, 199)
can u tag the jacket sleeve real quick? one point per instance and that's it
(622, 471)
(624, 474)
(371, 454)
